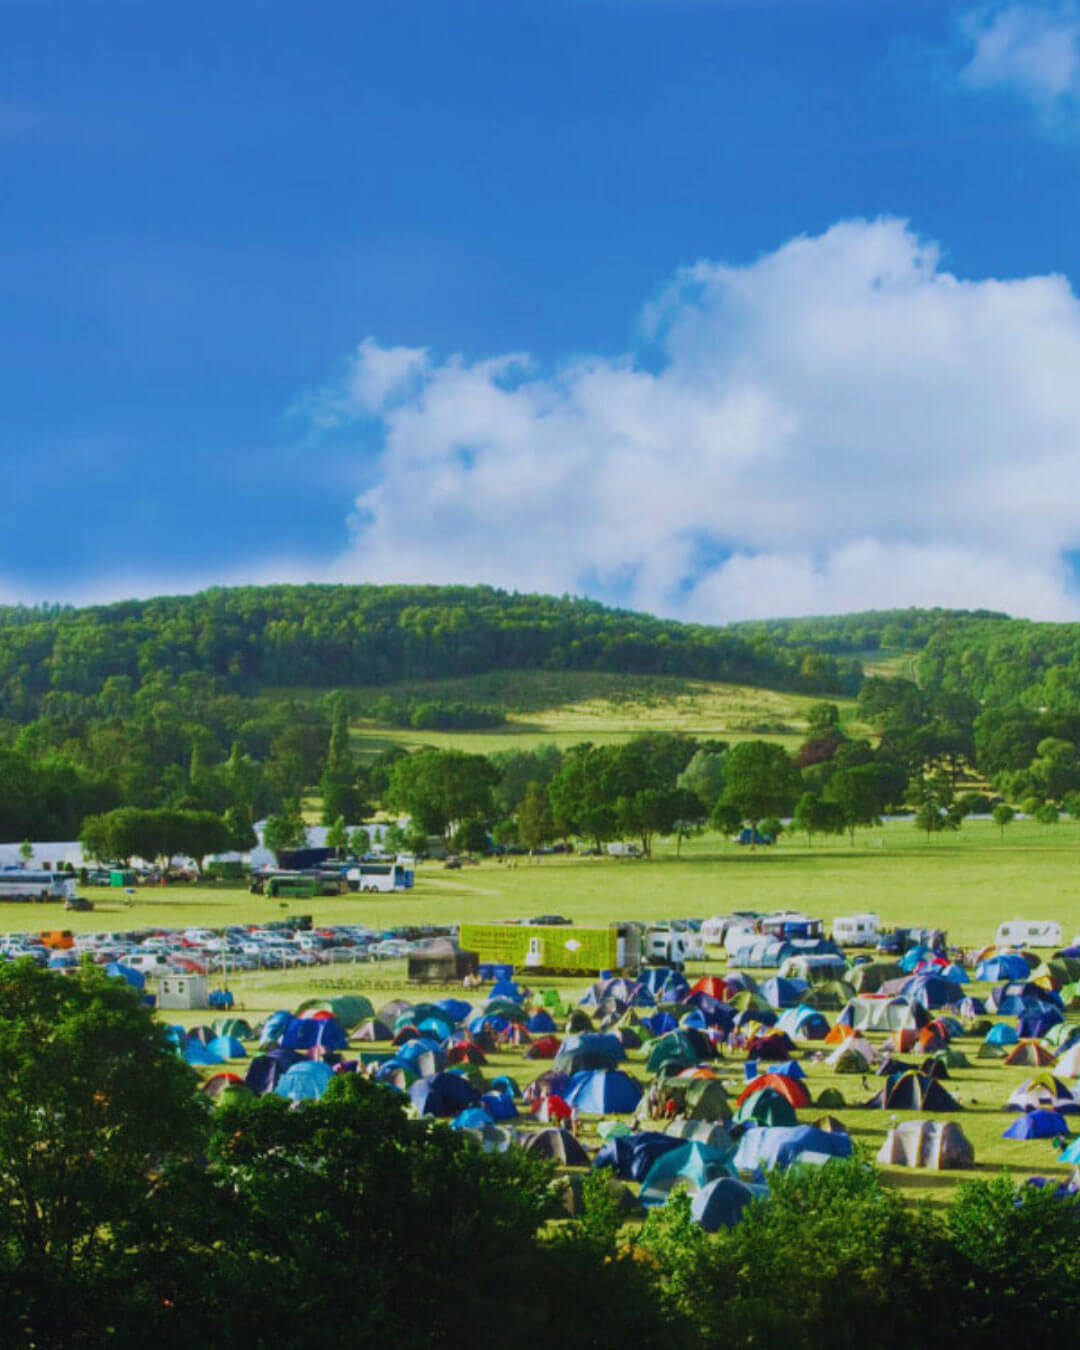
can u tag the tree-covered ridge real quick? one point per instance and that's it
(1036, 664)
(867, 631)
(329, 636)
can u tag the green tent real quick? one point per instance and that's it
(829, 997)
(766, 1107)
(234, 1026)
(676, 1048)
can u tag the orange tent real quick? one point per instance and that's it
(1029, 1052)
(839, 1033)
(713, 985)
(791, 1089)
(903, 1039)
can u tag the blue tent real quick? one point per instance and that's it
(692, 1165)
(1039, 1124)
(631, 1155)
(265, 1071)
(720, 1203)
(1071, 1154)
(499, 1106)
(301, 1033)
(912, 957)
(507, 989)
(413, 1050)
(456, 1009)
(665, 984)
(1002, 1034)
(135, 978)
(305, 1081)
(769, 1146)
(489, 1022)
(437, 1028)
(955, 974)
(932, 991)
(660, 1023)
(1003, 966)
(274, 1025)
(197, 1053)
(1034, 1025)
(603, 1092)
(504, 1083)
(228, 1047)
(472, 1118)
(443, 1094)
(541, 1023)
(783, 993)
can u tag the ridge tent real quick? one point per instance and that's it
(603, 1092)
(1037, 1124)
(305, 1081)
(871, 1012)
(720, 1203)
(690, 1164)
(932, 1144)
(558, 1145)
(764, 1147)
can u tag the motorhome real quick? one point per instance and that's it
(790, 923)
(856, 930)
(1028, 933)
(672, 944)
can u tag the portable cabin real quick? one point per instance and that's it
(183, 991)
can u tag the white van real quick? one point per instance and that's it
(856, 930)
(1028, 933)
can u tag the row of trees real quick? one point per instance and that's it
(131, 1212)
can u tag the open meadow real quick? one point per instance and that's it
(966, 883)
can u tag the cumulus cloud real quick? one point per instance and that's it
(1029, 49)
(840, 424)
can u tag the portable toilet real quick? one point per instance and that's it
(182, 991)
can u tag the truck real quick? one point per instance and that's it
(549, 950)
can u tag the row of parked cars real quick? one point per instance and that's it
(201, 951)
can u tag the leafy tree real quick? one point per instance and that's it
(581, 794)
(241, 833)
(689, 816)
(861, 793)
(505, 833)
(471, 836)
(440, 787)
(519, 768)
(535, 825)
(822, 719)
(930, 817)
(285, 831)
(1003, 815)
(337, 837)
(1047, 814)
(772, 827)
(704, 776)
(91, 1099)
(761, 780)
(648, 812)
(725, 817)
(814, 815)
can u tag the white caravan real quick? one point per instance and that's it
(1028, 933)
(856, 930)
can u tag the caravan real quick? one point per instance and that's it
(856, 930)
(1028, 933)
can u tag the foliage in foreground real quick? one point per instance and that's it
(132, 1215)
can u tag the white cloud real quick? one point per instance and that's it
(841, 424)
(1030, 49)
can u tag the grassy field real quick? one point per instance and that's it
(567, 707)
(966, 883)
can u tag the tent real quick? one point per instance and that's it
(790, 1088)
(264, 1071)
(774, 1046)
(217, 1083)
(783, 993)
(830, 996)
(472, 1118)
(803, 1023)
(706, 1099)
(873, 1013)
(1002, 966)
(1002, 1034)
(545, 1047)
(765, 1106)
(720, 1203)
(683, 1047)
(1068, 1064)
(551, 1107)
(868, 976)
(1038, 1124)
(1030, 1052)
(541, 1023)
(1034, 1025)
(589, 1050)
(443, 1094)
(305, 1081)
(913, 1091)
(197, 1054)
(499, 1106)
(559, 1145)
(301, 1033)
(933, 1144)
(854, 1055)
(631, 1156)
(1043, 1089)
(766, 1148)
(603, 1092)
(348, 1009)
(234, 1026)
(692, 1165)
(119, 971)
(227, 1047)
(703, 1132)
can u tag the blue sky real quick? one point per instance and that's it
(718, 307)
